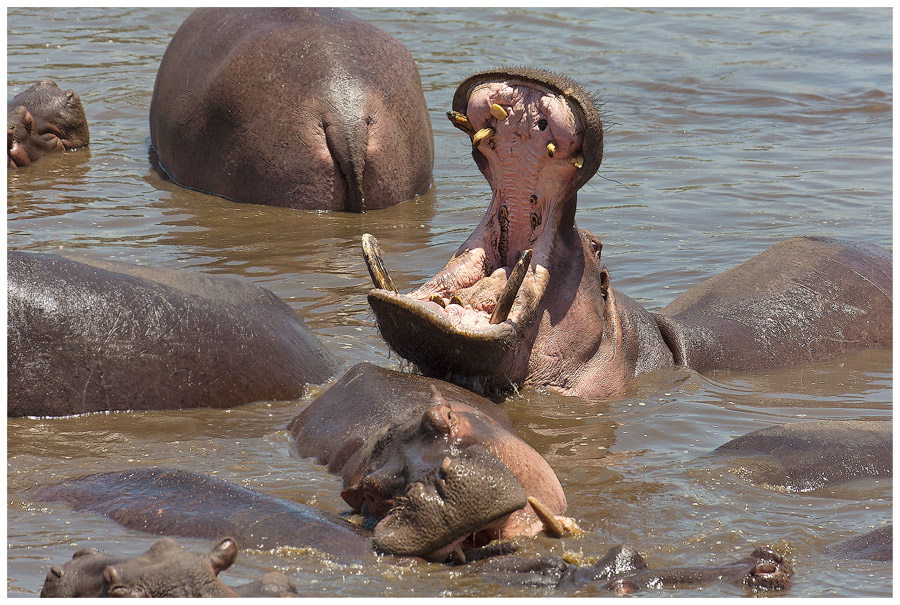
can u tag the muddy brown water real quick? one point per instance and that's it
(728, 131)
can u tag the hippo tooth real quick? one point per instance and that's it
(551, 525)
(508, 296)
(498, 112)
(484, 133)
(460, 120)
(577, 160)
(551, 149)
(375, 264)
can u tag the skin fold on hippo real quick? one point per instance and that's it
(89, 335)
(383, 431)
(623, 570)
(306, 108)
(42, 120)
(525, 299)
(173, 502)
(165, 570)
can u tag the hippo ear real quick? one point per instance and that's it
(223, 555)
(436, 397)
(604, 282)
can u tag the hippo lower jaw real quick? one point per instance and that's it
(466, 494)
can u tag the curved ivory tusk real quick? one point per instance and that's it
(551, 149)
(460, 120)
(508, 296)
(484, 133)
(577, 160)
(551, 525)
(375, 264)
(498, 112)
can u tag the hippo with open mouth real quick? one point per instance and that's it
(525, 299)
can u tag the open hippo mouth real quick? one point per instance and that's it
(537, 138)
(465, 494)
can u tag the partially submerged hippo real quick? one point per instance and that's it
(91, 335)
(42, 120)
(805, 456)
(526, 300)
(384, 432)
(624, 571)
(173, 502)
(307, 108)
(165, 570)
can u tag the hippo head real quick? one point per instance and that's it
(430, 482)
(42, 120)
(167, 570)
(80, 577)
(537, 137)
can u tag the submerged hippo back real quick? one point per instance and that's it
(86, 338)
(803, 300)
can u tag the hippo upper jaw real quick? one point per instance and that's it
(537, 138)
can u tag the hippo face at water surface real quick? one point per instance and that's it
(434, 464)
(42, 120)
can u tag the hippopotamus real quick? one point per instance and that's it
(165, 570)
(382, 431)
(876, 545)
(173, 502)
(624, 571)
(42, 120)
(306, 108)
(526, 300)
(90, 335)
(806, 456)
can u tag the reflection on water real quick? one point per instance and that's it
(727, 131)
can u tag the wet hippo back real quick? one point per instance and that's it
(113, 336)
(803, 300)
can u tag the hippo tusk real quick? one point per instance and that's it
(460, 120)
(508, 296)
(577, 160)
(375, 264)
(551, 149)
(460, 555)
(484, 133)
(553, 527)
(498, 112)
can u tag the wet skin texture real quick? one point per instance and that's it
(42, 120)
(537, 138)
(805, 456)
(306, 108)
(384, 431)
(165, 570)
(92, 336)
(624, 571)
(180, 503)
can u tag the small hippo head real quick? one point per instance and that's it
(42, 120)
(81, 577)
(167, 570)
(431, 480)
(537, 137)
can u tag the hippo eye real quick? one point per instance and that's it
(542, 124)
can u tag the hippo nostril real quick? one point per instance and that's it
(542, 124)
(57, 571)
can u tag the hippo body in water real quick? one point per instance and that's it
(91, 335)
(525, 299)
(306, 108)
(42, 120)
(382, 431)
(165, 570)
(624, 571)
